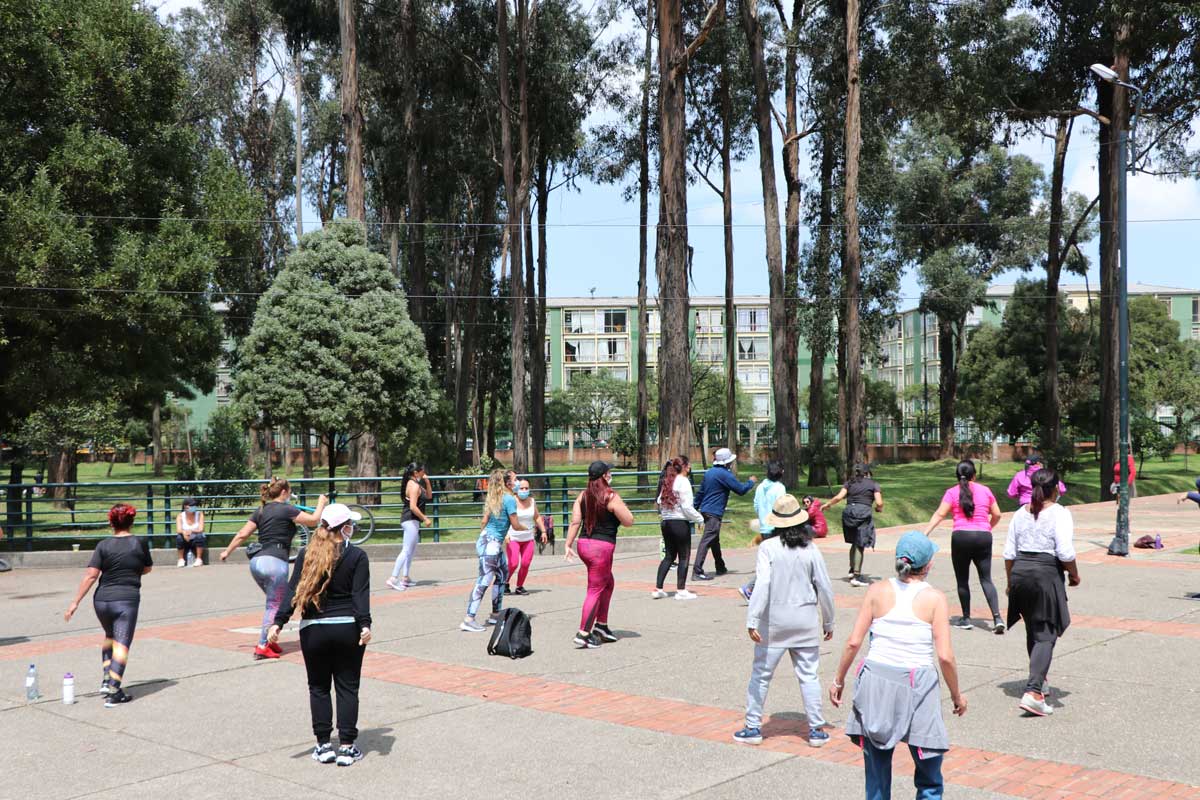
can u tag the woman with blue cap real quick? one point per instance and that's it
(897, 694)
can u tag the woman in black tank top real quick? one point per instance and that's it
(598, 512)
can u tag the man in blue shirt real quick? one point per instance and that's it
(718, 482)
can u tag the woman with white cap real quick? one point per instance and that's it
(718, 482)
(897, 697)
(331, 585)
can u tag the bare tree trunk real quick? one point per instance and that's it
(415, 281)
(156, 436)
(352, 121)
(819, 331)
(947, 386)
(785, 422)
(671, 252)
(1109, 264)
(491, 427)
(187, 432)
(298, 85)
(856, 447)
(58, 470)
(731, 386)
(537, 360)
(514, 196)
(306, 440)
(791, 269)
(1054, 256)
(466, 368)
(269, 451)
(643, 395)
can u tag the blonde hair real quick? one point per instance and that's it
(274, 489)
(320, 556)
(494, 504)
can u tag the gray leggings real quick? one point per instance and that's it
(1040, 639)
(412, 535)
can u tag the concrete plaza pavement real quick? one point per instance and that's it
(647, 717)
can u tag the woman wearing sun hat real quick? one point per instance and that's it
(897, 695)
(791, 611)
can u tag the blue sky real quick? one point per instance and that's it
(593, 238)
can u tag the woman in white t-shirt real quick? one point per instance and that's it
(1039, 549)
(189, 533)
(520, 543)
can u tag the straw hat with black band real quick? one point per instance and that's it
(787, 513)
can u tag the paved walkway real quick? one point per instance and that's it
(647, 717)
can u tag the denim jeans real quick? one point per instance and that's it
(927, 773)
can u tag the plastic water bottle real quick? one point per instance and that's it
(1158, 545)
(31, 685)
(68, 693)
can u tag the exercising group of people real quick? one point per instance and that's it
(790, 600)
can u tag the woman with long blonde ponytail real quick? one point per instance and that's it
(499, 514)
(331, 585)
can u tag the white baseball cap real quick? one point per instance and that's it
(724, 456)
(336, 515)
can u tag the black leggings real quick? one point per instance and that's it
(119, 620)
(333, 652)
(1040, 638)
(677, 535)
(973, 547)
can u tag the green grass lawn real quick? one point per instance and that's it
(911, 494)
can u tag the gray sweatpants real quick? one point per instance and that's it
(804, 661)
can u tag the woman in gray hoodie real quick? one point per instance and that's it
(791, 610)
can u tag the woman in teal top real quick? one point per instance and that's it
(499, 514)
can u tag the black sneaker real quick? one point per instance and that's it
(507, 590)
(722, 571)
(324, 753)
(605, 634)
(587, 641)
(520, 590)
(701, 576)
(116, 697)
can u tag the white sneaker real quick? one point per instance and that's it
(658, 594)
(471, 626)
(181, 563)
(392, 584)
(1034, 705)
(859, 582)
(684, 594)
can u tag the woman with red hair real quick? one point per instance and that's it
(598, 512)
(119, 563)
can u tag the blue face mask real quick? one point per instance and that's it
(523, 494)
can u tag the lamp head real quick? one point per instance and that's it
(1107, 73)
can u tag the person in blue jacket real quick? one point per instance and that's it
(718, 482)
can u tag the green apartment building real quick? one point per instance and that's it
(585, 334)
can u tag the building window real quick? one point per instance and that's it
(1196, 310)
(652, 344)
(571, 373)
(614, 320)
(612, 350)
(547, 351)
(621, 374)
(1196, 332)
(752, 320)
(580, 321)
(752, 377)
(710, 320)
(752, 348)
(975, 317)
(762, 404)
(710, 349)
(580, 350)
(653, 321)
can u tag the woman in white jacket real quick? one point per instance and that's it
(791, 610)
(678, 514)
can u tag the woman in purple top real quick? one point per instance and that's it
(1021, 486)
(975, 514)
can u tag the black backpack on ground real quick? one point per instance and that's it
(512, 636)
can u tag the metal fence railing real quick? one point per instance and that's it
(33, 519)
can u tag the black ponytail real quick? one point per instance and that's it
(1045, 487)
(796, 535)
(409, 471)
(966, 473)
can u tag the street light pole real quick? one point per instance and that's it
(1120, 542)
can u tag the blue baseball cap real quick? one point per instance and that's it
(916, 548)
